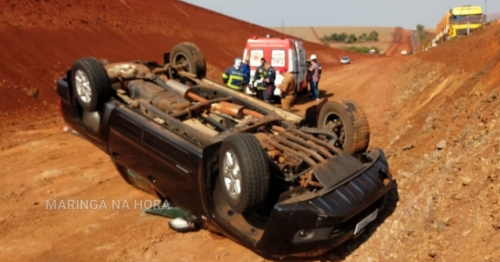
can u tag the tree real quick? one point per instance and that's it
(373, 36)
(352, 38)
(342, 37)
(363, 37)
(334, 37)
(420, 28)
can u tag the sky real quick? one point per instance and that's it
(379, 13)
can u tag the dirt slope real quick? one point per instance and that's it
(442, 134)
(40, 39)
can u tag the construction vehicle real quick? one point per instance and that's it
(459, 21)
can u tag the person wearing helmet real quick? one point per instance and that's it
(287, 89)
(314, 70)
(234, 77)
(315, 58)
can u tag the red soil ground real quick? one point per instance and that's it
(449, 198)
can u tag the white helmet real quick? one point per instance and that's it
(237, 63)
(313, 57)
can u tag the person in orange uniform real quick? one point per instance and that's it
(287, 89)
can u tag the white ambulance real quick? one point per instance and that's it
(279, 53)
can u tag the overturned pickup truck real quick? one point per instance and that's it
(280, 184)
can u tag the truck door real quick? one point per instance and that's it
(173, 164)
(302, 66)
(294, 67)
(125, 145)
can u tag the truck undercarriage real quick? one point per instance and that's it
(258, 160)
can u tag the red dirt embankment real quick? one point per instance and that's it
(443, 141)
(39, 40)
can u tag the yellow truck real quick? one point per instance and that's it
(458, 21)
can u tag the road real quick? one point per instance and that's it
(44, 163)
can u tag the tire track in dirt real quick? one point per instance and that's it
(182, 11)
(128, 6)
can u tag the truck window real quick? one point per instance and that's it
(278, 58)
(255, 56)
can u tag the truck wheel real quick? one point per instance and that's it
(351, 125)
(91, 84)
(190, 57)
(243, 172)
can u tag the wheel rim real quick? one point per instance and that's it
(83, 86)
(338, 128)
(181, 59)
(232, 174)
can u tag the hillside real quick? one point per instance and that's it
(40, 40)
(444, 150)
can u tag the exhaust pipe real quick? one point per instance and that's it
(178, 88)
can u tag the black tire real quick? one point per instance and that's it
(192, 55)
(354, 133)
(97, 79)
(254, 172)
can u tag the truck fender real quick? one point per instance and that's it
(312, 112)
(166, 58)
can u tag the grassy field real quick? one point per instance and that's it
(313, 34)
(379, 45)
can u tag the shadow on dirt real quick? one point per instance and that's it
(306, 98)
(342, 252)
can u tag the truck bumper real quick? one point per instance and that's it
(312, 227)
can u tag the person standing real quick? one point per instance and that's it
(269, 79)
(287, 89)
(245, 68)
(233, 77)
(314, 69)
(259, 75)
(320, 69)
